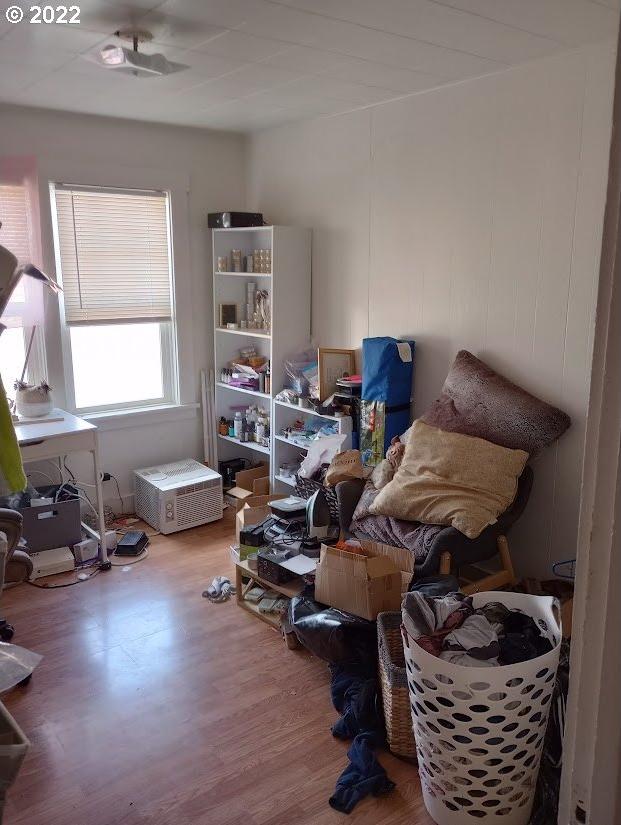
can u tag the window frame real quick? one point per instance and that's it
(168, 329)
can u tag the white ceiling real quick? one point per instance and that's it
(258, 63)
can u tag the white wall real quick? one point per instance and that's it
(211, 163)
(466, 217)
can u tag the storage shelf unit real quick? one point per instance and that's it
(231, 388)
(247, 333)
(287, 449)
(243, 573)
(249, 445)
(289, 286)
(246, 274)
(308, 411)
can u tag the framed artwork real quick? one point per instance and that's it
(228, 314)
(333, 364)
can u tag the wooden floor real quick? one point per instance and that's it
(152, 705)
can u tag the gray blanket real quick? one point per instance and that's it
(412, 535)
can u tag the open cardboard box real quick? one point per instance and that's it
(249, 483)
(365, 582)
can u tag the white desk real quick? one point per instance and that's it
(46, 438)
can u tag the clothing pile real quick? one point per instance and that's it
(450, 628)
(356, 696)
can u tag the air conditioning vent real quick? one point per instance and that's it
(200, 506)
(178, 495)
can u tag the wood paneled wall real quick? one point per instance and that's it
(467, 217)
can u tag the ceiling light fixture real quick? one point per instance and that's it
(133, 62)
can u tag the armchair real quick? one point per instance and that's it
(451, 551)
(15, 564)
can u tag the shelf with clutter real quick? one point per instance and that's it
(261, 310)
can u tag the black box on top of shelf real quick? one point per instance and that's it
(234, 220)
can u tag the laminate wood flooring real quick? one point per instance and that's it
(152, 705)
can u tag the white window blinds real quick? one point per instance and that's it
(15, 219)
(25, 308)
(114, 255)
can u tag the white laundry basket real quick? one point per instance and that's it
(479, 730)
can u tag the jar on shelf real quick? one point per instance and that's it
(236, 260)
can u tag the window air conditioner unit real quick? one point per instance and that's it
(178, 495)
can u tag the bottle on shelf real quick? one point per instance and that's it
(237, 425)
(260, 429)
(268, 379)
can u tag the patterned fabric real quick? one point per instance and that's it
(412, 535)
(478, 401)
(451, 479)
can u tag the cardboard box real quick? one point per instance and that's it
(249, 483)
(363, 583)
(403, 558)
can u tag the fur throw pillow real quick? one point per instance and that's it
(478, 401)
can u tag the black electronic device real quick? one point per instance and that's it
(234, 220)
(133, 543)
(289, 509)
(229, 469)
(253, 536)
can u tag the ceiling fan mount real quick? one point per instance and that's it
(135, 36)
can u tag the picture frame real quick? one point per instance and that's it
(333, 364)
(228, 314)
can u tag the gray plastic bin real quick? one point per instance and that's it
(51, 525)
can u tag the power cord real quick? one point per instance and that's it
(105, 476)
(101, 566)
(118, 490)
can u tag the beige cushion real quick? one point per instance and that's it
(449, 478)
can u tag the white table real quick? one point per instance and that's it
(48, 437)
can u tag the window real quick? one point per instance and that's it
(113, 252)
(12, 354)
(25, 309)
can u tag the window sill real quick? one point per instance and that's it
(141, 416)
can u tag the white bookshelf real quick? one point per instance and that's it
(287, 450)
(289, 285)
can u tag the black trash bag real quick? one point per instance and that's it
(333, 635)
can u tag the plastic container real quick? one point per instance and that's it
(479, 730)
(237, 425)
(13, 748)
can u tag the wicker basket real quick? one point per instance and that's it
(395, 696)
(305, 487)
